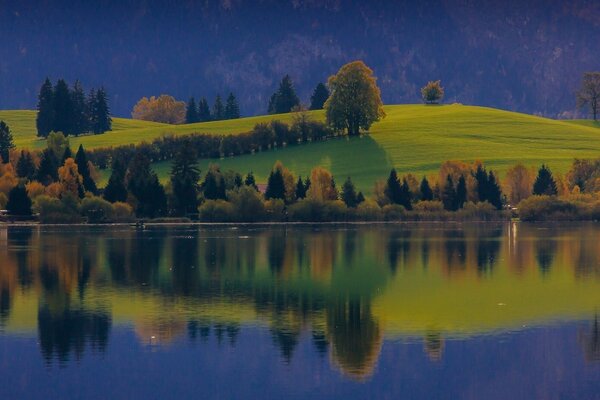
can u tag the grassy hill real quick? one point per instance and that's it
(413, 138)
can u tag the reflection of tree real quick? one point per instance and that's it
(277, 244)
(456, 249)
(487, 251)
(5, 303)
(19, 239)
(398, 245)
(545, 251)
(591, 342)
(70, 330)
(434, 345)
(354, 335)
(185, 260)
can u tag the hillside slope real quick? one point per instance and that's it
(412, 138)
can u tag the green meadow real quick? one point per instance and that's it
(412, 138)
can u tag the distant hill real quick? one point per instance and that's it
(517, 55)
(412, 138)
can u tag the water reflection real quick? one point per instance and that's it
(348, 289)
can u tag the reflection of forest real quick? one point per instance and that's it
(336, 285)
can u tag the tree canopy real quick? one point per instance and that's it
(588, 95)
(355, 100)
(433, 92)
(163, 108)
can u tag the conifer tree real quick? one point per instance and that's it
(115, 189)
(275, 185)
(79, 121)
(143, 183)
(214, 184)
(285, 98)
(191, 112)
(84, 170)
(184, 181)
(63, 108)
(203, 111)
(218, 113)
(67, 154)
(101, 120)
(300, 189)
(544, 183)
(19, 202)
(48, 169)
(26, 166)
(319, 97)
(405, 195)
(481, 177)
(232, 108)
(45, 109)
(349, 195)
(392, 188)
(461, 192)
(494, 192)
(449, 195)
(6, 142)
(426, 191)
(250, 181)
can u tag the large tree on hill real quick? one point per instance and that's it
(203, 111)
(45, 109)
(101, 120)
(191, 112)
(285, 98)
(218, 112)
(232, 108)
(544, 183)
(184, 181)
(6, 142)
(319, 97)
(84, 170)
(63, 108)
(433, 92)
(588, 95)
(355, 100)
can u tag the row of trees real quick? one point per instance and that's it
(201, 112)
(68, 110)
(285, 99)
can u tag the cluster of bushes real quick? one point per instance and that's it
(92, 209)
(263, 136)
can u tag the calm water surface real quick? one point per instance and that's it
(420, 312)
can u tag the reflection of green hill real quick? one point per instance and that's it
(349, 287)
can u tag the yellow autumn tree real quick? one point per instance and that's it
(8, 178)
(322, 186)
(69, 178)
(519, 183)
(163, 108)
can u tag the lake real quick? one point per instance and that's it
(439, 311)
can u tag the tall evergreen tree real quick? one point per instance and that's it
(393, 188)
(301, 189)
(285, 98)
(494, 191)
(449, 195)
(275, 185)
(101, 120)
(143, 183)
(191, 112)
(184, 181)
(349, 195)
(203, 111)
(426, 191)
(461, 192)
(115, 189)
(6, 142)
(19, 202)
(66, 154)
(48, 169)
(214, 184)
(319, 97)
(544, 183)
(250, 181)
(45, 109)
(84, 170)
(25, 166)
(481, 176)
(405, 195)
(218, 113)
(232, 108)
(63, 108)
(79, 121)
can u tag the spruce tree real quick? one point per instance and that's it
(115, 189)
(481, 177)
(45, 109)
(66, 154)
(250, 181)
(285, 99)
(79, 121)
(25, 166)
(232, 108)
(48, 169)
(143, 183)
(461, 192)
(184, 181)
(319, 97)
(349, 195)
(63, 108)
(203, 111)
(19, 202)
(405, 195)
(102, 122)
(218, 113)
(275, 185)
(544, 183)
(392, 188)
(494, 191)
(191, 112)
(6, 142)
(214, 184)
(449, 195)
(300, 189)
(425, 189)
(84, 170)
